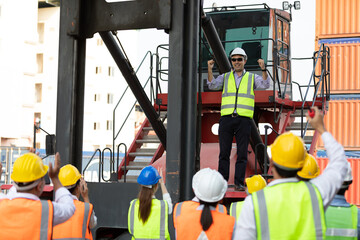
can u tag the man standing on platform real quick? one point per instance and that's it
(237, 110)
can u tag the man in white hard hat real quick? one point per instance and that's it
(237, 110)
(342, 218)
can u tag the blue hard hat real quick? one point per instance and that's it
(148, 176)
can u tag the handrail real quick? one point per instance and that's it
(87, 165)
(324, 55)
(148, 53)
(102, 164)
(117, 163)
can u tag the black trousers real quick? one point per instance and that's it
(240, 127)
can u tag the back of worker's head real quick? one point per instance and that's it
(288, 154)
(69, 177)
(310, 169)
(148, 179)
(255, 183)
(209, 187)
(28, 172)
(238, 51)
(347, 181)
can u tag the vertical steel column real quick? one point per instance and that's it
(70, 92)
(176, 76)
(189, 99)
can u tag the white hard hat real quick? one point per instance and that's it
(238, 51)
(348, 177)
(209, 185)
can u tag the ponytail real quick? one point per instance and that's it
(206, 218)
(145, 200)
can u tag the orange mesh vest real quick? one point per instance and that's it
(23, 218)
(77, 227)
(187, 222)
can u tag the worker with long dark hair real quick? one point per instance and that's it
(148, 216)
(203, 217)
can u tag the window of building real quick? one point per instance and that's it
(96, 97)
(96, 126)
(99, 42)
(110, 98)
(96, 147)
(109, 124)
(40, 30)
(38, 92)
(111, 71)
(40, 62)
(37, 145)
(98, 70)
(109, 146)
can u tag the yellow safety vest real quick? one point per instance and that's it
(235, 209)
(243, 98)
(291, 210)
(156, 227)
(341, 222)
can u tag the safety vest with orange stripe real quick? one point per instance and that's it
(23, 218)
(187, 222)
(77, 227)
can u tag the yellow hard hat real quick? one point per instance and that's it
(69, 175)
(255, 183)
(28, 168)
(310, 169)
(288, 151)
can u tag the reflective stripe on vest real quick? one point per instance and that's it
(341, 222)
(244, 99)
(163, 219)
(34, 219)
(235, 209)
(44, 220)
(262, 212)
(220, 208)
(76, 227)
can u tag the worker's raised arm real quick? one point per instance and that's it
(330, 181)
(210, 67)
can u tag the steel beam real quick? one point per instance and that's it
(101, 16)
(135, 85)
(70, 91)
(214, 41)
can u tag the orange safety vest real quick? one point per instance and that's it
(77, 227)
(187, 222)
(23, 218)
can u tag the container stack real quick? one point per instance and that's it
(338, 26)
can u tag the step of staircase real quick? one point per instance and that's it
(297, 126)
(150, 128)
(149, 139)
(130, 178)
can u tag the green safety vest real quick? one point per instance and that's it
(292, 210)
(341, 222)
(245, 100)
(235, 209)
(156, 227)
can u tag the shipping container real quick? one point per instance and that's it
(337, 18)
(343, 121)
(353, 194)
(344, 64)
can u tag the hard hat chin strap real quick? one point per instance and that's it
(25, 187)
